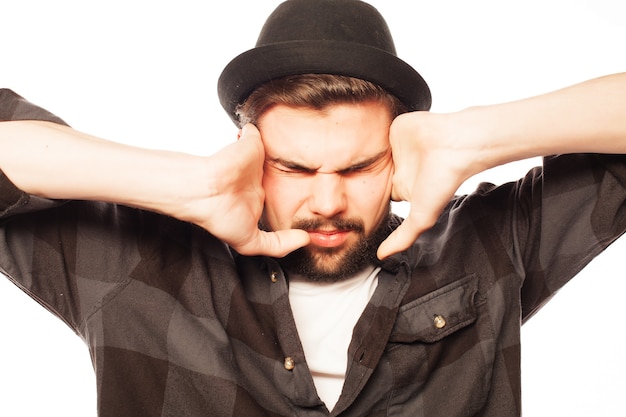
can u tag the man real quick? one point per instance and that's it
(326, 181)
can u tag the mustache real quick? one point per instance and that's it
(355, 225)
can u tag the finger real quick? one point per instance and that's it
(404, 236)
(250, 130)
(276, 244)
(423, 215)
(251, 136)
(429, 197)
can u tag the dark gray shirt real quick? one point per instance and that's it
(179, 325)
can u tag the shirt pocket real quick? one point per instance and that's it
(438, 314)
(440, 355)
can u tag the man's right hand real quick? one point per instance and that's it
(236, 198)
(221, 193)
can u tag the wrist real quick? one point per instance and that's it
(170, 184)
(493, 135)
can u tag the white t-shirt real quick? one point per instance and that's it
(325, 315)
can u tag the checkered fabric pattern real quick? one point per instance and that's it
(179, 325)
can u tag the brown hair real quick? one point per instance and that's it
(316, 91)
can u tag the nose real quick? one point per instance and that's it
(328, 195)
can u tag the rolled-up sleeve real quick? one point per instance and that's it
(14, 107)
(577, 210)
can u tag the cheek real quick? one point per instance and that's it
(282, 200)
(377, 188)
(370, 197)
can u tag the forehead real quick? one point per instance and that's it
(338, 132)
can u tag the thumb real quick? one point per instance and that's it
(404, 235)
(276, 244)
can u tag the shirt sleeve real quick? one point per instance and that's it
(37, 235)
(566, 214)
(14, 107)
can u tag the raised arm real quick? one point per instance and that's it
(221, 193)
(435, 153)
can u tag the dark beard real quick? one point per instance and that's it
(311, 264)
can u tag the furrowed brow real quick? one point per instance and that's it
(291, 165)
(359, 166)
(365, 164)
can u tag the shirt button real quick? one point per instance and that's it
(289, 363)
(274, 276)
(439, 321)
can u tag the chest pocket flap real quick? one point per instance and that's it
(437, 314)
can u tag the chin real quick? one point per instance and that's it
(329, 264)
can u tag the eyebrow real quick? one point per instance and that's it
(366, 163)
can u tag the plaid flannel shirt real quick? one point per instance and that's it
(179, 325)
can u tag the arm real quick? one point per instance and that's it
(435, 153)
(221, 193)
(57, 162)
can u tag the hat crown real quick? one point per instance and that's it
(350, 21)
(340, 37)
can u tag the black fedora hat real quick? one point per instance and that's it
(342, 37)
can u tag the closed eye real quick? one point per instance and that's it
(363, 167)
(358, 168)
(369, 165)
(288, 167)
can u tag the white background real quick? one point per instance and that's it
(144, 72)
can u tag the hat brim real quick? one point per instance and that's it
(264, 63)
